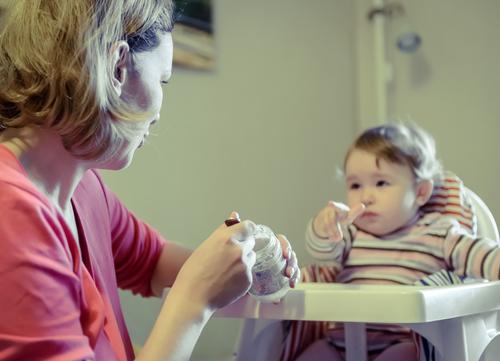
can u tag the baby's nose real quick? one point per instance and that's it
(367, 197)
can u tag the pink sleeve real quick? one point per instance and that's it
(136, 247)
(40, 298)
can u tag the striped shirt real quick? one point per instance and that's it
(433, 243)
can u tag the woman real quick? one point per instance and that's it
(81, 85)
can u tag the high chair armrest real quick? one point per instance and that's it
(461, 321)
(372, 303)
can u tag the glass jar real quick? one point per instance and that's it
(268, 274)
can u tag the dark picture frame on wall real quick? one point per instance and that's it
(193, 35)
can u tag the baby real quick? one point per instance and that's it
(384, 237)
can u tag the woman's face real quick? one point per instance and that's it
(146, 74)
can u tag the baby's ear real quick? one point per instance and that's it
(424, 191)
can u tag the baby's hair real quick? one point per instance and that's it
(401, 143)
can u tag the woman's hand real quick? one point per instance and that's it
(292, 270)
(329, 221)
(219, 271)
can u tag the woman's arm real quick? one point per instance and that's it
(176, 329)
(173, 256)
(171, 259)
(213, 276)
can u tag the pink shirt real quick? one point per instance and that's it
(53, 305)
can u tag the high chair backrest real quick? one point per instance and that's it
(486, 225)
(451, 198)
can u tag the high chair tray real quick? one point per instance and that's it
(372, 303)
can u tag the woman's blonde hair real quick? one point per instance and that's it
(401, 143)
(55, 65)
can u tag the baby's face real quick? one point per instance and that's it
(388, 190)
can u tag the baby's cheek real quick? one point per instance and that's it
(351, 199)
(358, 223)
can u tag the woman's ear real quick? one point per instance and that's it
(424, 191)
(120, 52)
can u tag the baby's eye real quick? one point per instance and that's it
(354, 186)
(382, 183)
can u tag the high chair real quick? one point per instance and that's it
(462, 322)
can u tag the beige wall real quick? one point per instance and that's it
(263, 133)
(451, 86)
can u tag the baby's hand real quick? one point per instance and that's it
(329, 221)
